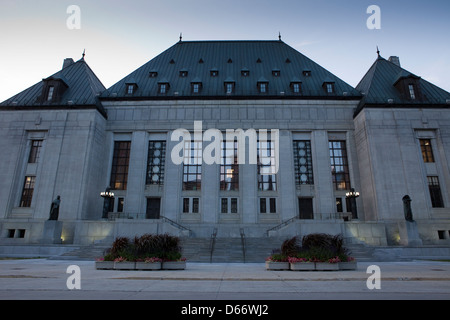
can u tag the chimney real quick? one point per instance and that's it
(67, 62)
(395, 60)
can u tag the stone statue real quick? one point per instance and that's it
(407, 208)
(54, 209)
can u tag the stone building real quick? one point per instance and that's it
(300, 139)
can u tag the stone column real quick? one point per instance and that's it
(136, 173)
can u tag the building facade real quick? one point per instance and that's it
(226, 137)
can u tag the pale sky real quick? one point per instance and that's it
(120, 36)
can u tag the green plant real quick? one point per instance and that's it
(277, 257)
(291, 247)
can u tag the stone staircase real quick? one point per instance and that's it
(88, 253)
(225, 250)
(229, 249)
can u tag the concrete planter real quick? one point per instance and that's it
(148, 265)
(302, 266)
(174, 265)
(125, 265)
(104, 265)
(326, 266)
(275, 265)
(350, 265)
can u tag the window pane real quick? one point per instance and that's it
(273, 206)
(224, 205)
(195, 206)
(303, 162)
(155, 162)
(435, 192)
(427, 152)
(234, 205)
(262, 205)
(27, 192)
(185, 205)
(119, 169)
(339, 165)
(35, 151)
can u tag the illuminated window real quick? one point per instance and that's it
(229, 167)
(119, 169)
(427, 152)
(27, 191)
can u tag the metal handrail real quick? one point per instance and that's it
(282, 224)
(175, 224)
(213, 242)
(243, 242)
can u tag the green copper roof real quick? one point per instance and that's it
(244, 63)
(379, 88)
(82, 88)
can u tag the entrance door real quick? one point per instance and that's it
(153, 208)
(305, 208)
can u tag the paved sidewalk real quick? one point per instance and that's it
(41, 279)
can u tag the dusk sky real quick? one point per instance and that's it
(120, 36)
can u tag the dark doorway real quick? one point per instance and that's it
(305, 208)
(153, 208)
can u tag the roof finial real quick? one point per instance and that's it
(84, 53)
(181, 36)
(378, 52)
(279, 35)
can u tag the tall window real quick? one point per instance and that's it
(228, 205)
(35, 151)
(435, 192)
(155, 162)
(51, 90)
(191, 205)
(229, 167)
(303, 162)
(266, 162)
(192, 165)
(427, 152)
(119, 169)
(411, 92)
(27, 192)
(339, 165)
(267, 205)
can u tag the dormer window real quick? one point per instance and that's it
(131, 88)
(163, 87)
(196, 86)
(153, 74)
(329, 87)
(183, 73)
(307, 73)
(276, 73)
(51, 90)
(296, 87)
(263, 87)
(229, 86)
(214, 72)
(412, 93)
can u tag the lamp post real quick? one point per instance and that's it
(107, 195)
(352, 195)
